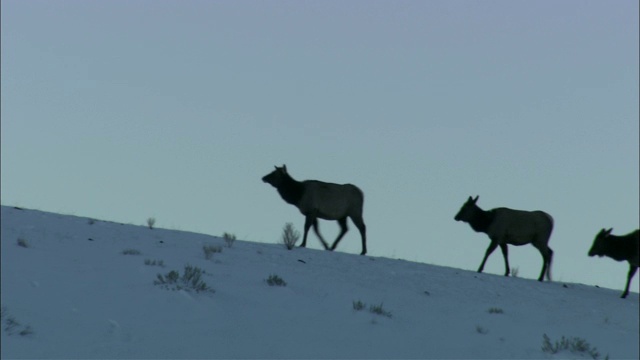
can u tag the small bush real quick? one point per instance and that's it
(130, 252)
(275, 280)
(12, 326)
(379, 310)
(22, 243)
(575, 345)
(481, 330)
(229, 238)
(209, 250)
(154, 262)
(150, 222)
(189, 281)
(374, 309)
(289, 236)
(514, 271)
(495, 310)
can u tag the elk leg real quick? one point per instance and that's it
(549, 261)
(317, 231)
(546, 253)
(343, 230)
(632, 271)
(308, 221)
(490, 249)
(359, 223)
(505, 254)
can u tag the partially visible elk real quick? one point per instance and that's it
(321, 200)
(507, 226)
(619, 248)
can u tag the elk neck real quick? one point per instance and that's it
(481, 220)
(291, 190)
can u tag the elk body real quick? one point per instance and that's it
(321, 200)
(506, 226)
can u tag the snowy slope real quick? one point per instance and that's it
(83, 298)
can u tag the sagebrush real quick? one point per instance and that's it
(289, 236)
(191, 280)
(229, 238)
(275, 280)
(574, 345)
(154, 262)
(131, 252)
(374, 309)
(209, 250)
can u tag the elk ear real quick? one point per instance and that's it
(284, 167)
(608, 232)
(476, 199)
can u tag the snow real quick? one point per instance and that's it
(83, 298)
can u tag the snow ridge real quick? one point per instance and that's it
(83, 296)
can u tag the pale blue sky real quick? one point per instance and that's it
(123, 110)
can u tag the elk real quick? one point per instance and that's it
(619, 248)
(321, 200)
(506, 226)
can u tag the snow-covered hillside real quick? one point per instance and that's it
(74, 287)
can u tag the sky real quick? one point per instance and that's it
(86, 290)
(125, 110)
